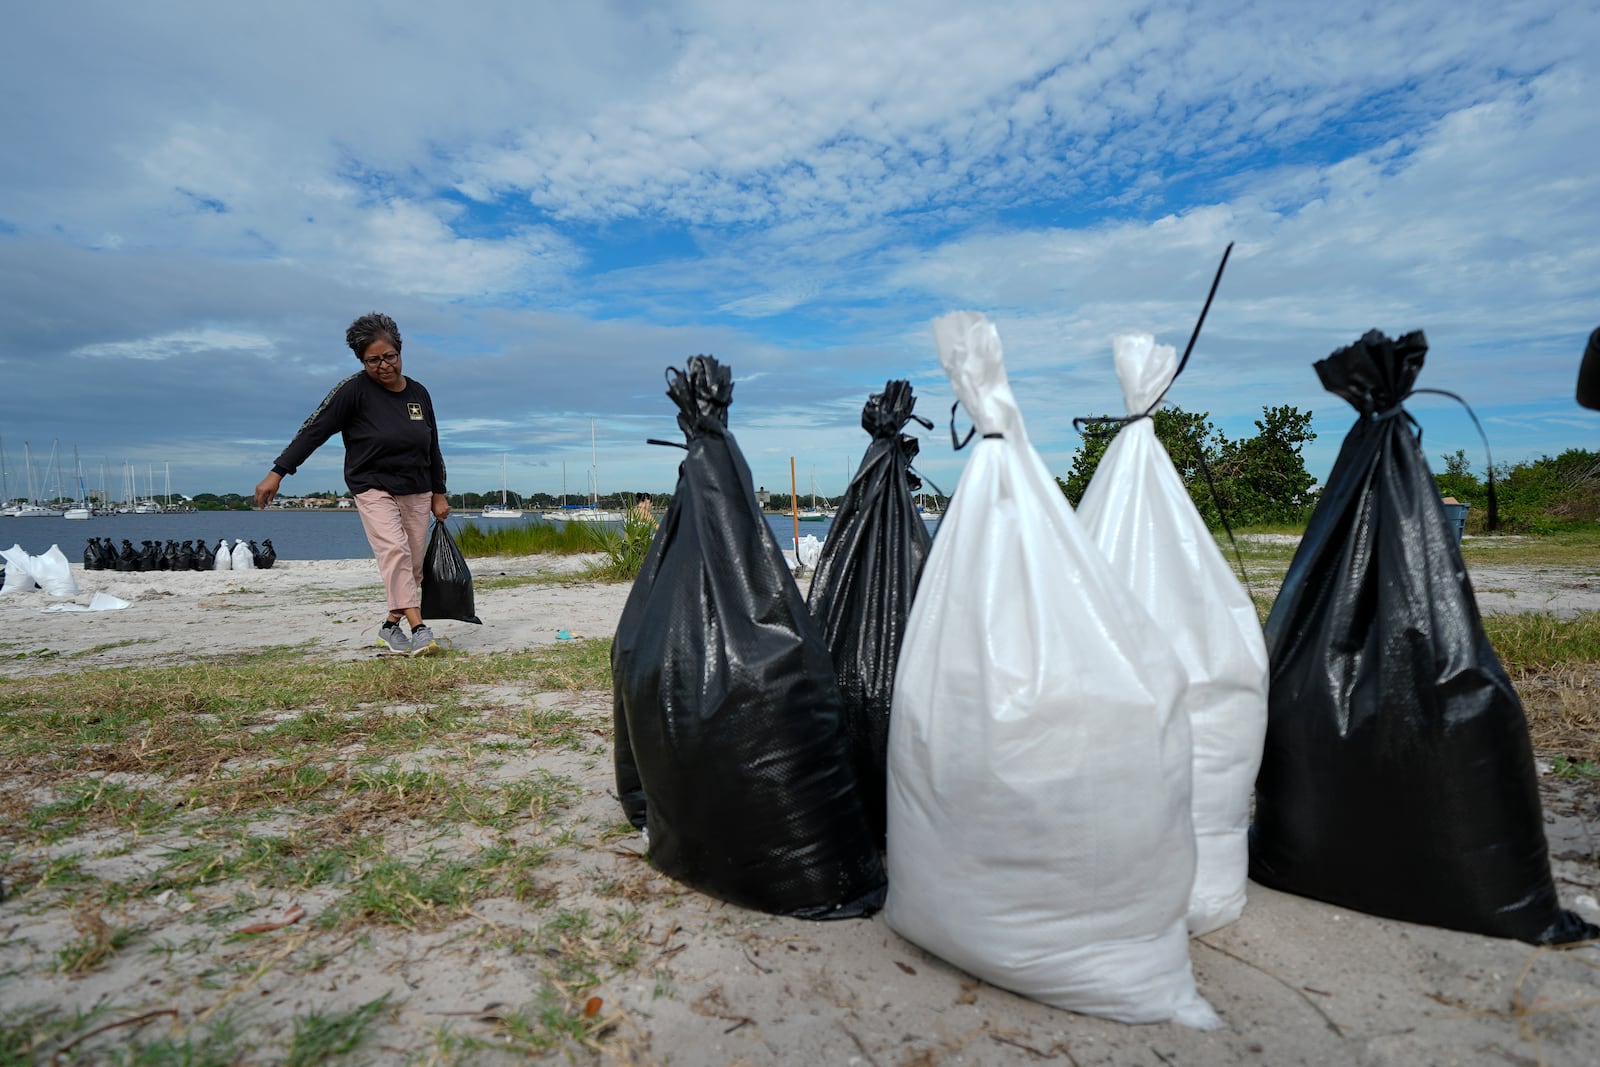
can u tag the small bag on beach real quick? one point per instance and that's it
(864, 583)
(266, 555)
(446, 580)
(1398, 778)
(730, 744)
(1140, 514)
(1039, 763)
(242, 558)
(223, 559)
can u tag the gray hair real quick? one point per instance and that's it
(367, 329)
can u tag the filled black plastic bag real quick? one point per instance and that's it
(730, 747)
(864, 582)
(1398, 777)
(446, 581)
(266, 555)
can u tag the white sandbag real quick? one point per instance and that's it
(19, 570)
(242, 560)
(1038, 804)
(1139, 513)
(223, 560)
(53, 572)
(808, 550)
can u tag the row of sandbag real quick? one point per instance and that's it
(1078, 706)
(100, 554)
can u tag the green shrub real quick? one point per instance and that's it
(624, 547)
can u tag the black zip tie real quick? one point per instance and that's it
(1098, 423)
(1205, 468)
(1122, 420)
(961, 442)
(1492, 520)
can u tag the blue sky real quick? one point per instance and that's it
(557, 201)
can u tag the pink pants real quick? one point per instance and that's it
(397, 529)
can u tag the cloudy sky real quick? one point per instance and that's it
(557, 201)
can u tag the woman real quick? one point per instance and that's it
(392, 465)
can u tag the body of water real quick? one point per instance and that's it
(294, 534)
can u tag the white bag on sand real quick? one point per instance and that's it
(53, 572)
(223, 560)
(1137, 510)
(19, 570)
(242, 560)
(1038, 803)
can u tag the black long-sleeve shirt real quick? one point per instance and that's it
(391, 441)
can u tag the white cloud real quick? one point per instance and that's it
(225, 343)
(823, 181)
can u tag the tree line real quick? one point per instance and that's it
(1254, 481)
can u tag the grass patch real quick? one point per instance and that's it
(97, 942)
(1576, 546)
(94, 803)
(195, 719)
(319, 1037)
(1575, 770)
(536, 538)
(108, 646)
(361, 792)
(439, 887)
(517, 581)
(1532, 643)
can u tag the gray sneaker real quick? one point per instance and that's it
(392, 636)
(422, 642)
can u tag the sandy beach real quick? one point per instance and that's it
(594, 956)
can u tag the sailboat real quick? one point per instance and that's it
(814, 513)
(592, 511)
(33, 509)
(559, 514)
(501, 510)
(80, 510)
(8, 507)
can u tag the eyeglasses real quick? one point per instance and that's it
(392, 357)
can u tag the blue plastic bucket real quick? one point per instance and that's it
(1457, 514)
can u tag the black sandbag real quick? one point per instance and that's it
(92, 560)
(446, 581)
(1398, 777)
(266, 555)
(730, 747)
(1589, 373)
(864, 581)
